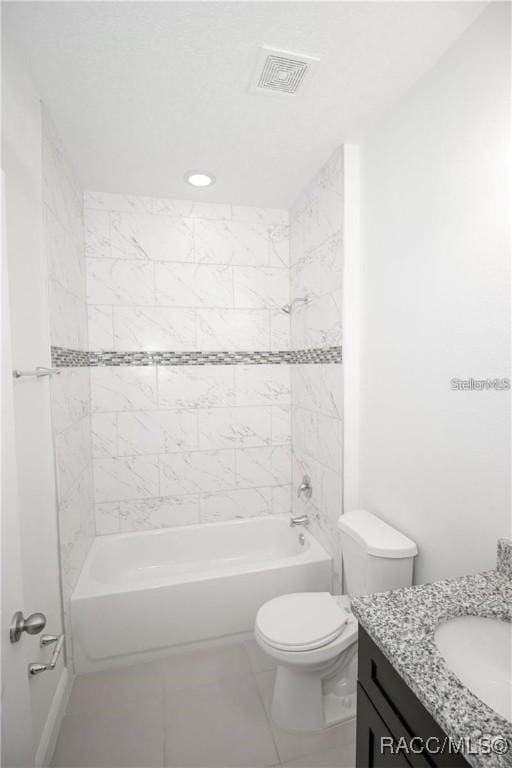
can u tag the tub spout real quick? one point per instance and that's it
(299, 520)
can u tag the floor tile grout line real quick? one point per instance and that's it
(267, 715)
(250, 678)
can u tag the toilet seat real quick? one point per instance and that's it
(301, 621)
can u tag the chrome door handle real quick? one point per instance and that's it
(32, 625)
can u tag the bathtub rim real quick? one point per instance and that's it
(88, 587)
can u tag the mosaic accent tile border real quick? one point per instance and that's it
(66, 358)
(69, 358)
(504, 564)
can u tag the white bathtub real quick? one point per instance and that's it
(142, 593)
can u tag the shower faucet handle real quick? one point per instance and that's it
(305, 487)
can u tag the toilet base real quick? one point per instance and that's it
(312, 712)
(307, 700)
(339, 709)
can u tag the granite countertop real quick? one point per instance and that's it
(402, 624)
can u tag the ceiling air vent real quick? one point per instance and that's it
(281, 73)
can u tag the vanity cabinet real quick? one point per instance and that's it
(389, 714)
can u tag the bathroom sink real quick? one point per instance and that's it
(479, 652)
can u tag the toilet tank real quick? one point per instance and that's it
(376, 557)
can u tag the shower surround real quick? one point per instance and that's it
(316, 271)
(187, 395)
(70, 390)
(198, 289)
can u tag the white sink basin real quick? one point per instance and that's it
(479, 652)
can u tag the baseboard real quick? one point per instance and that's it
(51, 728)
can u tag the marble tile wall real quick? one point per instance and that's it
(316, 264)
(173, 275)
(182, 444)
(70, 391)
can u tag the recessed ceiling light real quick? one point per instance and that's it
(199, 178)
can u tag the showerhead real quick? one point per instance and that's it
(287, 309)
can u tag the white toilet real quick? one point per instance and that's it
(313, 635)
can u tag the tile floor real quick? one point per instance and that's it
(195, 709)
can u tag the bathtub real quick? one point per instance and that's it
(141, 594)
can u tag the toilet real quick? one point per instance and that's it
(313, 635)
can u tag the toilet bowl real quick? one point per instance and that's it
(313, 635)
(313, 638)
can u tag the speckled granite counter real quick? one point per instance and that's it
(402, 624)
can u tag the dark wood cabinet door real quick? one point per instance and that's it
(373, 737)
(398, 711)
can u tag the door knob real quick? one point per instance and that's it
(32, 625)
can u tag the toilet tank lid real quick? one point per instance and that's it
(375, 536)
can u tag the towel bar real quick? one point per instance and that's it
(35, 668)
(39, 372)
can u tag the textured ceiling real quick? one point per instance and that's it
(141, 92)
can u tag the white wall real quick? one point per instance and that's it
(435, 304)
(21, 160)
